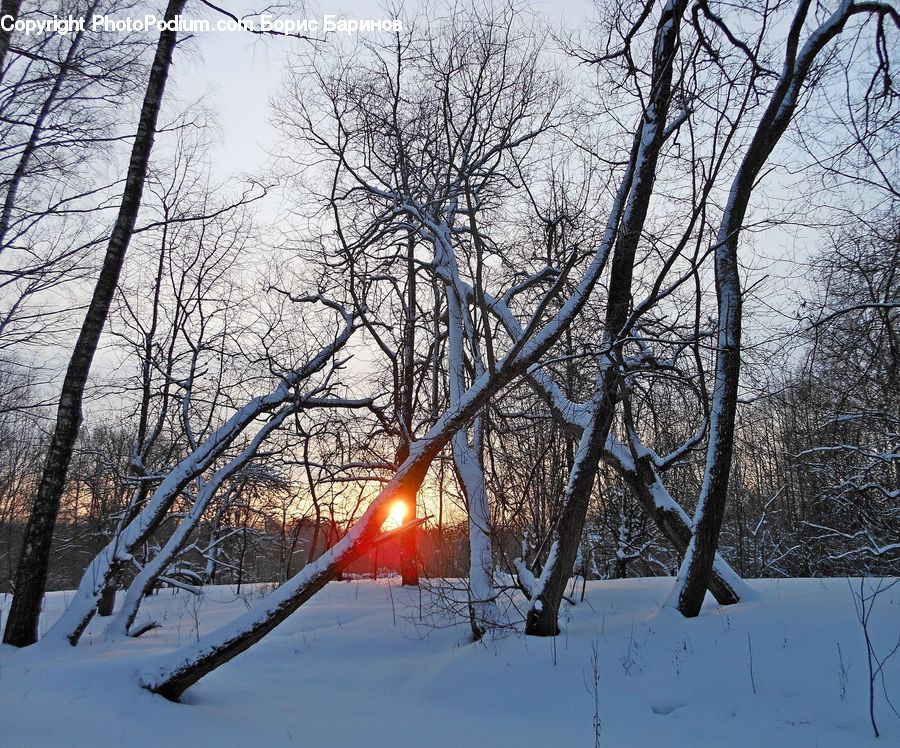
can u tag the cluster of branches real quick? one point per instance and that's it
(545, 268)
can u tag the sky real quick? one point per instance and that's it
(238, 73)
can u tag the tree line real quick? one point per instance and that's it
(517, 287)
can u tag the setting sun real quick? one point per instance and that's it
(396, 516)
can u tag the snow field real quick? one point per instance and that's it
(357, 666)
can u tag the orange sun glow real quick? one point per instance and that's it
(396, 516)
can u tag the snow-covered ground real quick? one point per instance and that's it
(357, 666)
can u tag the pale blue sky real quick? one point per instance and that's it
(238, 72)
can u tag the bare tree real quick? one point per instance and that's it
(543, 323)
(695, 570)
(21, 625)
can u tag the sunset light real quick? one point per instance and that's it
(396, 516)
(501, 372)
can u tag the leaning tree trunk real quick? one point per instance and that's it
(149, 575)
(543, 612)
(185, 667)
(180, 670)
(31, 575)
(696, 568)
(117, 554)
(644, 481)
(726, 585)
(107, 602)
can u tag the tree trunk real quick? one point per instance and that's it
(724, 583)
(542, 618)
(409, 567)
(149, 575)
(107, 601)
(467, 458)
(183, 669)
(31, 575)
(696, 569)
(727, 587)
(409, 564)
(543, 613)
(222, 645)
